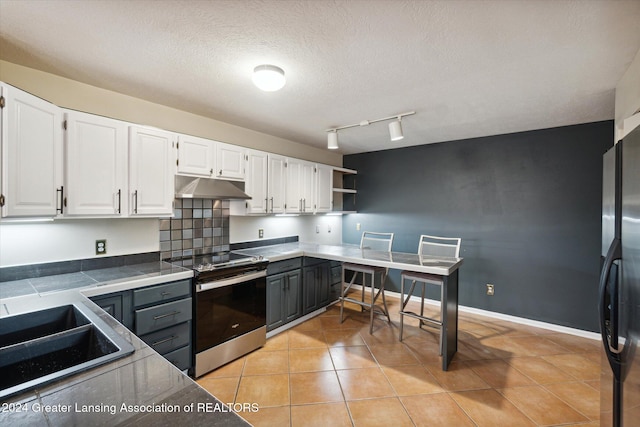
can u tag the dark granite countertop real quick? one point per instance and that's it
(140, 389)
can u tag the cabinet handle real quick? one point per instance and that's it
(266, 205)
(165, 294)
(211, 171)
(162, 316)
(220, 173)
(300, 205)
(135, 205)
(171, 338)
(119, 200)
(304, 205)
(272, 205)
(61, 191)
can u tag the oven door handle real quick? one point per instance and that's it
(231, 281)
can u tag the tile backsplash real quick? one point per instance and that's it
(199, 227)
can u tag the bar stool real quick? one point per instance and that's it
(428, 246)
(376, 242)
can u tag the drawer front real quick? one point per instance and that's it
(162, 316)
(282, 266)
(181, 358)
(169, 339)
(161, 293)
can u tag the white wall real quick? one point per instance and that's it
(243, 229)
(23, 243)
(628, 98)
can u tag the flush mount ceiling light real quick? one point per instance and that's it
(268, 77)
(395, 129)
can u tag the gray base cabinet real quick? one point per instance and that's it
(284, 292)
(118, 305)
(162, 318)
(160, 315)
(316, 284)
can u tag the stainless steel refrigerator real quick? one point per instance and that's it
(619, 287)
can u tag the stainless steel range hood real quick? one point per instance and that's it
(188, 187)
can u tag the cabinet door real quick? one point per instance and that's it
(293, 190)
(324, 188)
(255, 183)
(151, 174)
(309, 293)
(117, 305)
(31, 155)
(230, 161)
(323, 284)
(196, 155)
(275, 308)
(276, 183)
(308, 187)
(96, 165)
(293, 296)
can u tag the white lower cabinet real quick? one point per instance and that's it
(96, 165)
(31, 156)
(151, 172)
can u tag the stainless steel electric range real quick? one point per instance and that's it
(229, 306)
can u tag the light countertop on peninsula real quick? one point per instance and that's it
(352, 253)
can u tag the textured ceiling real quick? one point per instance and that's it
(468, 68)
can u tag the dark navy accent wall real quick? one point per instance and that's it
(526, 205)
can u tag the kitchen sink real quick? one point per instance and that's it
(44, 346)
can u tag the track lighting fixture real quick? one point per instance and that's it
(395, 129)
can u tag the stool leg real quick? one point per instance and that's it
(402, 305)
(441, 318)
(373, 288)
(384, 300)
(342, 296)
(422, 304)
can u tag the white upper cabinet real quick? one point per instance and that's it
(151, 172)
(230, 161)
(308, 187)
(196, 156)
(276, 185)
(255, 183)
(300, 186)
(31, 155)
(96, 165)
(324, 188)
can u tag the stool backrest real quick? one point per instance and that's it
(376, 241)
(439, 246)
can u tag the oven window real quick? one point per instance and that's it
(228, 312)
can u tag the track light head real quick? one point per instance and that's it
(395, 130)
(332, 140)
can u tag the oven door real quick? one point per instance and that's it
(229, 308)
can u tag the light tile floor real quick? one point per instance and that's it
(324, 373)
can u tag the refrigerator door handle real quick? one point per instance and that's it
(614, 253)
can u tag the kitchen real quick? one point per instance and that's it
(501, 194)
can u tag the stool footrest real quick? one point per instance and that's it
(422, 318)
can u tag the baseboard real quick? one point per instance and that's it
(507, 317)
(296, 322)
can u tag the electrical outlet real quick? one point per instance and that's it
(358, 226)
(101, 247)
(260, 233)
(490, 289)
